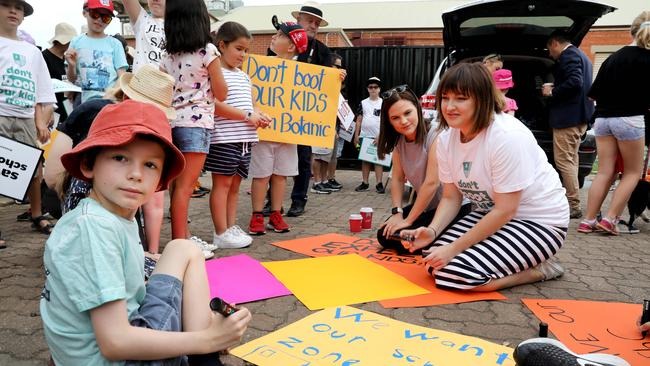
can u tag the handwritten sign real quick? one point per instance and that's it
(368, 153)
(18, 163)
(340, 280)
(345, 114)
(346, 336)
(348, 134)
(408, 266)
(595, 327)
(301, 98)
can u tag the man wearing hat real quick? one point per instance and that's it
(26, 100)
(54, 59)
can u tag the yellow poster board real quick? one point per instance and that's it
(301, 98)
(345, 336)
(340, 280)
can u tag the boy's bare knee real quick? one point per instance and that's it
(180, 247)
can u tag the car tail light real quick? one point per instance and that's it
(428, 101)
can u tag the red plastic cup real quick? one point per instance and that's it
(366, 213)
(355, 223)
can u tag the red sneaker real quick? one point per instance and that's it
(276, 223)
(256, 226)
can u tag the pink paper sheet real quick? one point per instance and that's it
(239, 279)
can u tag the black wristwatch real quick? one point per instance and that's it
(396, 210)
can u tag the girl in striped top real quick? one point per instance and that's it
(234, 133)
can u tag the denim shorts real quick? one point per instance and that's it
(161, 310)
(617, 127)
(191, 139)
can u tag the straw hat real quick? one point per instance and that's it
(150, 85)
(311, 8)
(63, 33)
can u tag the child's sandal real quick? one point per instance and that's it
(43, 228)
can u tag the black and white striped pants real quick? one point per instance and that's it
(517, 246)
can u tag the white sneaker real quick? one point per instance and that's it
(550, 268)
(549, 352)
(203, 244)
(232, 238)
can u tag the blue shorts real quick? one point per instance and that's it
(229, 158)
(617, 127)
(161, 310)
(191, 139)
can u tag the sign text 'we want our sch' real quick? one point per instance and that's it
(301, 99)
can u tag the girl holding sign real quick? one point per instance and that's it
(404, 133)
(489, 158)
(194, 63)
(233, 136)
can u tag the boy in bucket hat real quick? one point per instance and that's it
(273, 162)
(26, 96)
(95, 304)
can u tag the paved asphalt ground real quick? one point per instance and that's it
(598, 268)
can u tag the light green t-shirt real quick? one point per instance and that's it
(92, 257)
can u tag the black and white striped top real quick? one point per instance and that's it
(240, 97)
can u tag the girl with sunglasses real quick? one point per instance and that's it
(520, 215)
(95, 60)
(404, 133)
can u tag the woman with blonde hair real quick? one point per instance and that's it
(619, 125)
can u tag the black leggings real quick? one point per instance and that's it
(423, 220)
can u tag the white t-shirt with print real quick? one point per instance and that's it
(193, 98)
(24, 79)
(149, 40)
(371, 117)
(240, 97)
(504, 158)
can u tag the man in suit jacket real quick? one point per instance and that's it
(569, 111)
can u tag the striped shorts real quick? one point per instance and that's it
(229, 158)
(517, 246)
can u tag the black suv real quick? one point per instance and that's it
(518, 30)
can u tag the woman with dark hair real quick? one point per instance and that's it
(490, 158)
(194, 63)
(404, 133)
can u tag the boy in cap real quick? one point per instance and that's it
(26, 95)
(368, 122)
(273, 162)
(95, 307)
(95, 60)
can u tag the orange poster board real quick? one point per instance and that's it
(595, 327)
(408, 266)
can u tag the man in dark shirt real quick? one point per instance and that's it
(63, 34)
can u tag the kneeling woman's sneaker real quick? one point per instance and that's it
(549, 352)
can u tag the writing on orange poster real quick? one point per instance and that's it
(595, 327)
(408, 266)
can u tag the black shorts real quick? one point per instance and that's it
(229, 158)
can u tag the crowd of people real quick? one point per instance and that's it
(490, 211)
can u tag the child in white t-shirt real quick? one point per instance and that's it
(368, 122)
(521, 214)
(149, 30)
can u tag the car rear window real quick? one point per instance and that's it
(541, 21)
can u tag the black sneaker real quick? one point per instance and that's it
(329, 187)
(334, 184)
(380, 188)
(550, 352)
(297, 209)
(320, 189)
(25, 216)
(362, 187)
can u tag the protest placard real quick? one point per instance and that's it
(348, 134)
(346, 336)
(408, 266)
(18, 163)
(301, 99)
(345, 114)
(595, 327)
(368, 153)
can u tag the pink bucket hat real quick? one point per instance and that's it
(503, 79)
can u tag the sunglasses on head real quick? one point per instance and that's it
(396, 90)
(106, 19)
